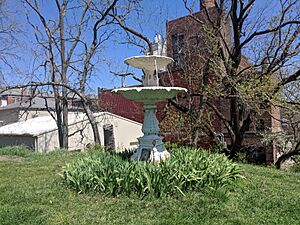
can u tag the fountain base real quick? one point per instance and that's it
(151, 149)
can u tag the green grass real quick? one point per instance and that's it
(31, 192)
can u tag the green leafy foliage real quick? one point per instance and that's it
(296, 166)
(21, 151)
(172, 145)
(187, 170)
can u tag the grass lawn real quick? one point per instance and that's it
(31, 193)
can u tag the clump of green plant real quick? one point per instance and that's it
(296, 166)
(171, 145)
(21, 151)
(186, 170)
(126, 154)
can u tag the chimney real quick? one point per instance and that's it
(207, 3)
(10, 100)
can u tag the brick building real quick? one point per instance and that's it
(21, 104)
(186, 45)
(14, 95)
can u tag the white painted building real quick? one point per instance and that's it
(41, 135)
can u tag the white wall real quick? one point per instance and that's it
(125, 131)
(3, 103)
(47, 142)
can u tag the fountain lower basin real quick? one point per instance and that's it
(151, 147)
(149, 94)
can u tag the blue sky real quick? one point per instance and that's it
(156, 14)
(153, 20)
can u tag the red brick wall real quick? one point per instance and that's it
(10, 100)
(208, 3)
(119, 105)
(275, 119)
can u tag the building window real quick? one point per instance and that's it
(260, 125)
(195, 40)
(109, 139)
(178, 45)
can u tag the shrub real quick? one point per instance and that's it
(295, 167)
(171, 145)
(187, 170)
(21, 151)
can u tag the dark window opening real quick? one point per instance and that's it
(247, 127)
(260, 125)
(195, 40)
(109, 139)
(177, 48)
(241, 112)
(145, 154)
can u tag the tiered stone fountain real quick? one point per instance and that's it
(151, 147)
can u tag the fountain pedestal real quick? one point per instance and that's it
(151, 146)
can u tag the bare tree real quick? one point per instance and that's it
(70, 51)
(241, 52)
(242, 57)
(9, 30)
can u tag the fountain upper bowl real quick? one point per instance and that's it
(149, 94)
(149, 62)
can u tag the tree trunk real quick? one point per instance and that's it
(93, 123)
(58, 118)
(235, 124)
(65, 119)
(287, 155)
(64, 66)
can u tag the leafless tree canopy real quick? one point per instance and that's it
(9, 30)
(68, 41)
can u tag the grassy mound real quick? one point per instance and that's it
(31, 193)
(187, 170)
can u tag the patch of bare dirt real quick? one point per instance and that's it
(11, 158)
